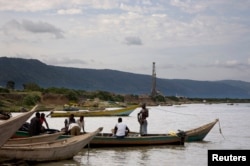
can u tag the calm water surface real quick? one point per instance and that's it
(234, 124)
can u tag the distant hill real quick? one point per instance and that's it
(23, 71)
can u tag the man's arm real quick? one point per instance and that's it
(115, 129)
(127, 129)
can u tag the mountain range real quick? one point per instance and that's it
(23, 71)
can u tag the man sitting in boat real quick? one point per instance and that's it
(121, 129)
(43, 119)
(81, 123)
(68, 122)
(35, 125)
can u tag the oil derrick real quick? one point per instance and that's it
(153, 90)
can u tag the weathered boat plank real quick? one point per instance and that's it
(10, 126)
(48, 151)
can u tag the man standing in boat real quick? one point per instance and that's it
(142, 119)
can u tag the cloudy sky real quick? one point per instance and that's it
(187, 39)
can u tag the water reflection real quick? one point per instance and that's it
(127, 156)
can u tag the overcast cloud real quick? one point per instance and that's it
(187, 39)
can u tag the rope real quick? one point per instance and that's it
(220, 129)
(191, 115)
(88, 149)
(174, 112)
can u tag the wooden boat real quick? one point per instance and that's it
(199, 133)
(61, 149)
(133, 139)
(34, 139)
(10, 126)
(24, 133)
(196, 134)
(107, 140)
(116, 112)
(20, 134)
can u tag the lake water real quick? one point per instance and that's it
(234, 124)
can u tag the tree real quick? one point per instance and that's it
(10, 85)
(31, 87)
(31, 100)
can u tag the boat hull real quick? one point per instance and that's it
(34, 139)
(118, 112)
(49, 151)
(10, 126)
(136, 140)
(198, 134)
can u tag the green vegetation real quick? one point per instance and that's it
(53, 97)
(31, 100)
(15, 100)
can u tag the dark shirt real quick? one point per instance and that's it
(72, 120)
(142, 115)
(35, 126)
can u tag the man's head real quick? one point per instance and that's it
(42, 115)
(119, 120)
(143, 105)
(38, 115)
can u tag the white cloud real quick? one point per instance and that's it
(28, 5)
(189, 6)
(183, 37)
(69, 11)
(232, 62)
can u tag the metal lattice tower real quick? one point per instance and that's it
(153, 91)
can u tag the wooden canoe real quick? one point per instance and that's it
(61, 149)
(107, 140)
(196, 134)
(10, 126)
(34, 139)
(117, 112)
(104, 139)
(193, 135)
(199, 133)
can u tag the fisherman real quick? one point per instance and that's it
(121, 129)
(43, 119)
(142, 119)
(81, 123)
(35, 125)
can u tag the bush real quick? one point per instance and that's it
(4, 90)
(30, 100)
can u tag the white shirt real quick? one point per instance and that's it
(71, 125)
(81, 124)
(121, 129)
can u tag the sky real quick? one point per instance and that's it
(206, 40)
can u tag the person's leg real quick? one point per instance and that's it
(140, 130)
(146, 127)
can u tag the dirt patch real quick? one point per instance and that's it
(56, 99)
